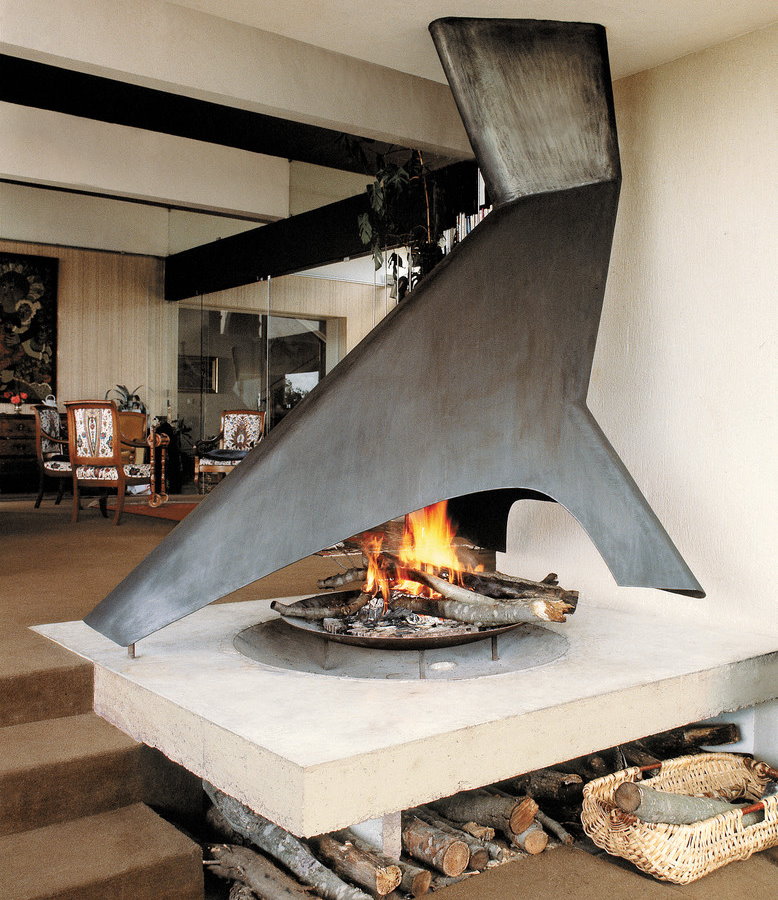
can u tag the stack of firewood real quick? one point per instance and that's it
(443, 842)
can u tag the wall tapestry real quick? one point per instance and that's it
(28, 325)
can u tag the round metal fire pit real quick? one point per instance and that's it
(281, 645)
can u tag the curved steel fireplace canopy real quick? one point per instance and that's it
(474, 387)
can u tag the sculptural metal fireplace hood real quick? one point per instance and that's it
(474, 388)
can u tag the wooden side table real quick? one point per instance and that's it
(18, 464)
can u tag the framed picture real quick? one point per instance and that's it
(198, 374)
(28, 326)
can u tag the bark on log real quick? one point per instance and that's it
(468, 606)
(689, 738)
(281, 845)
(555, 828)
(479, 855)
(479, 613)
(674, 809)
(253, 871)
(637, 754)
(495, 584)
(482, 832)
(321, 607)
(588, 767)
(533, 841)
(239, 891)
(508, 815)
(415, 881)
(358, 864)
(443, 881)
(548, 784)
(358, 573)
(430, 845)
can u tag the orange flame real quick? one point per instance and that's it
(427, 544)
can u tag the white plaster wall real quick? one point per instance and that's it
(684, 381)
(49, 148)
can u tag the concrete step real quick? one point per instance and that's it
(39, 679)
(65, 768)
(127, 852)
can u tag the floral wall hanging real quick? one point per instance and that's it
(28, 325)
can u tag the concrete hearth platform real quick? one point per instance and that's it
(319, 752)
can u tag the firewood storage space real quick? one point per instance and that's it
(285, 742)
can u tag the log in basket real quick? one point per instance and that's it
(684, 853)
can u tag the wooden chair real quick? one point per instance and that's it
(241, 429)
(51, 447)
(132, 426)
(96, 444)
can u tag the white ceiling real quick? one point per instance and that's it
(641, 33)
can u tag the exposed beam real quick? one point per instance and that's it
(324, 235)
(179, 50)
(36, 84)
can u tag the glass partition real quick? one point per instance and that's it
(241, 360)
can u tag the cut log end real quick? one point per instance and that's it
(456, 858)
(523, 815)
(533, 841)
(627, 796)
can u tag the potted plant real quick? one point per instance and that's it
(125, 399)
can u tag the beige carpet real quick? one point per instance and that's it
(53, 571)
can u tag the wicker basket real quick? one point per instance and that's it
(684, 853)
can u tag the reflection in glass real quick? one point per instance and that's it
(234, 360)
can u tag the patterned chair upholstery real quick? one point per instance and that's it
(241, 429)
(51, 448)
(96, 445)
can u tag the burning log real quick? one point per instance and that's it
(358, 863)
(674, 809)
(430, 845)
(479, 855)
(254, 873)
(509, 815)
(357, 573)
(468, 606)
(321, 607)
(281, 845)
(509, 587)
(415, 881)
(533, 841)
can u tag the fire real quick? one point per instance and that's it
(426, 544)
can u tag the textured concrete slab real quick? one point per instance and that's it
(319, 752)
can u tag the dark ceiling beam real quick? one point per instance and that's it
(63, 90)
(324, 235)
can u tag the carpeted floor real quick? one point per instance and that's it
(53, 571)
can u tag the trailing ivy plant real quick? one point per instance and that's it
(401, 185)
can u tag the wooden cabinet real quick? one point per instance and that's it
(18, 465)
